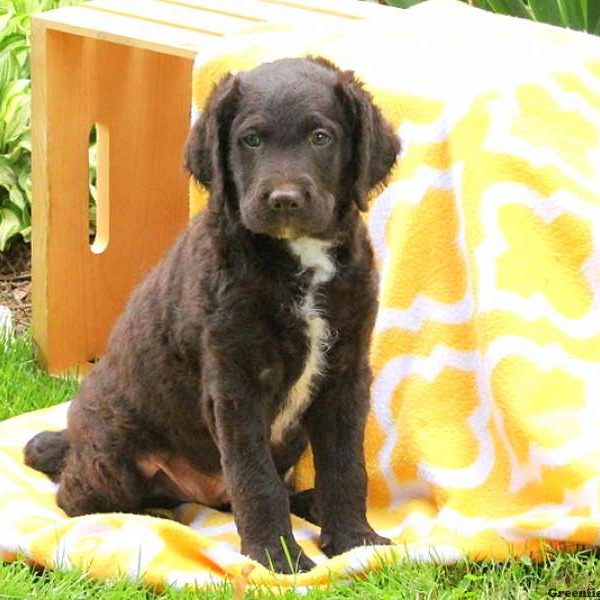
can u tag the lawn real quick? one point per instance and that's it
(24, 387)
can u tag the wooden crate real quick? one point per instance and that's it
(124, 65)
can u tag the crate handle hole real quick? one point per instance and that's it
(98, 197)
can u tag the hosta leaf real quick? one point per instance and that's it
(15, 109)
(12, 43)
(23, 144)
(21, 24)
(38, 5)
(20, 6)
(546, 11)
(10, 69)
(592, 16)
(24, 219)
(6, 14)
(8, 180)
(18, 202)
(25, 182)
(19, 123)
(510, 7)
(9, 226)
(15, 47)
(19, 88)
(17, 197)
(18, 156)
(7, 171)
(572, 14)
(403, 3)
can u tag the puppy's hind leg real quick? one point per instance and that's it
(93, 482)
(47, 452)
(302, 504)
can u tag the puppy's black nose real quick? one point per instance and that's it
(285, 199)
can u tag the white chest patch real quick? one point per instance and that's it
(313, 254)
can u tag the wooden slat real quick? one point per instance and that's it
(249, 9)
(261, 12)
(340, 8)
(126, 31)
(180, 17)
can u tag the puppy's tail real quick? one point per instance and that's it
(47, 452)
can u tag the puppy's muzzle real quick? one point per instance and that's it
(288, 200)
(288, 207)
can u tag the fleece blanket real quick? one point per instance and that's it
(484, 435)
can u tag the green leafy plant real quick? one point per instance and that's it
(574, 14)
(15, 110)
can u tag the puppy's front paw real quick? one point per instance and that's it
(282, 556)
(338, 542)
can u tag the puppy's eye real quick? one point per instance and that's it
(252, 139)
(320, 137)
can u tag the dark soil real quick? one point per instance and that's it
(15, 284)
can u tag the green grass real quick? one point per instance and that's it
(515, 579)
(24, 387)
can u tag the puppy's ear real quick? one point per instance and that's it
(375, 146)
(205, 154)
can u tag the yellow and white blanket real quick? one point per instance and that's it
(484, 435)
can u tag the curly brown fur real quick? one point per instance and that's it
(251, 336)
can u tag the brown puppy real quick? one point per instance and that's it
(251, 336)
